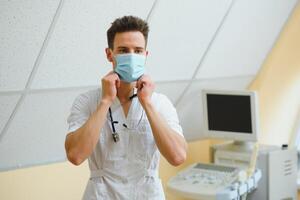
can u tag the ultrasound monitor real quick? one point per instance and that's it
(231, 115)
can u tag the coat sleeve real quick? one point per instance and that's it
(80, 112)
(169, 113)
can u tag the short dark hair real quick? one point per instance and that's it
(125, 24)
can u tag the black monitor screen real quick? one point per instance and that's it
(229, 113)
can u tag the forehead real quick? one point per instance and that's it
(129, 39)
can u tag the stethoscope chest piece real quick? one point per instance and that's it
(116, 137)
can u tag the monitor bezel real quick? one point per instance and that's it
(228, 135)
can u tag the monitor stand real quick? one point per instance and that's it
(243, 146)
(235, 153)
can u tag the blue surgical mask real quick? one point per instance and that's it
(130, 67)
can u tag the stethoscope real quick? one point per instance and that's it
(115, 135)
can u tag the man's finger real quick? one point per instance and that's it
(115, 75)
(138, 83)
(118, 81)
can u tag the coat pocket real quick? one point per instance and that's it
(116, 151)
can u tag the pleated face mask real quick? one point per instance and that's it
(130, 67)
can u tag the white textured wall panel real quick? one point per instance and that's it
(246, 37)
(190, 108)
(180, 32)
(75, 55)
(7, 105)
(24, 25)
(171, 89)
(37, 133)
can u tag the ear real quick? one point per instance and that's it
(147, 53)
(109, 54)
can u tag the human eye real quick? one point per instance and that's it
(139, 51)
(122, 51)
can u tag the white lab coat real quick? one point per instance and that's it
(127, 169)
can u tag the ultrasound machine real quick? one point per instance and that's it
(239, 168)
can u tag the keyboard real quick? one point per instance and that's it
(205, 181)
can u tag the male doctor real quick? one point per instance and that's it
(123, 128)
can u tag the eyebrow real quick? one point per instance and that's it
(121, 47)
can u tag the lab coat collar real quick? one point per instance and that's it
(117, 104)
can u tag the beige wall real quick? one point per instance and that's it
(278, 85)
(49, 182)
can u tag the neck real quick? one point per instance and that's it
(125, 91)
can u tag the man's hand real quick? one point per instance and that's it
(110, 83)
(145, 88)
